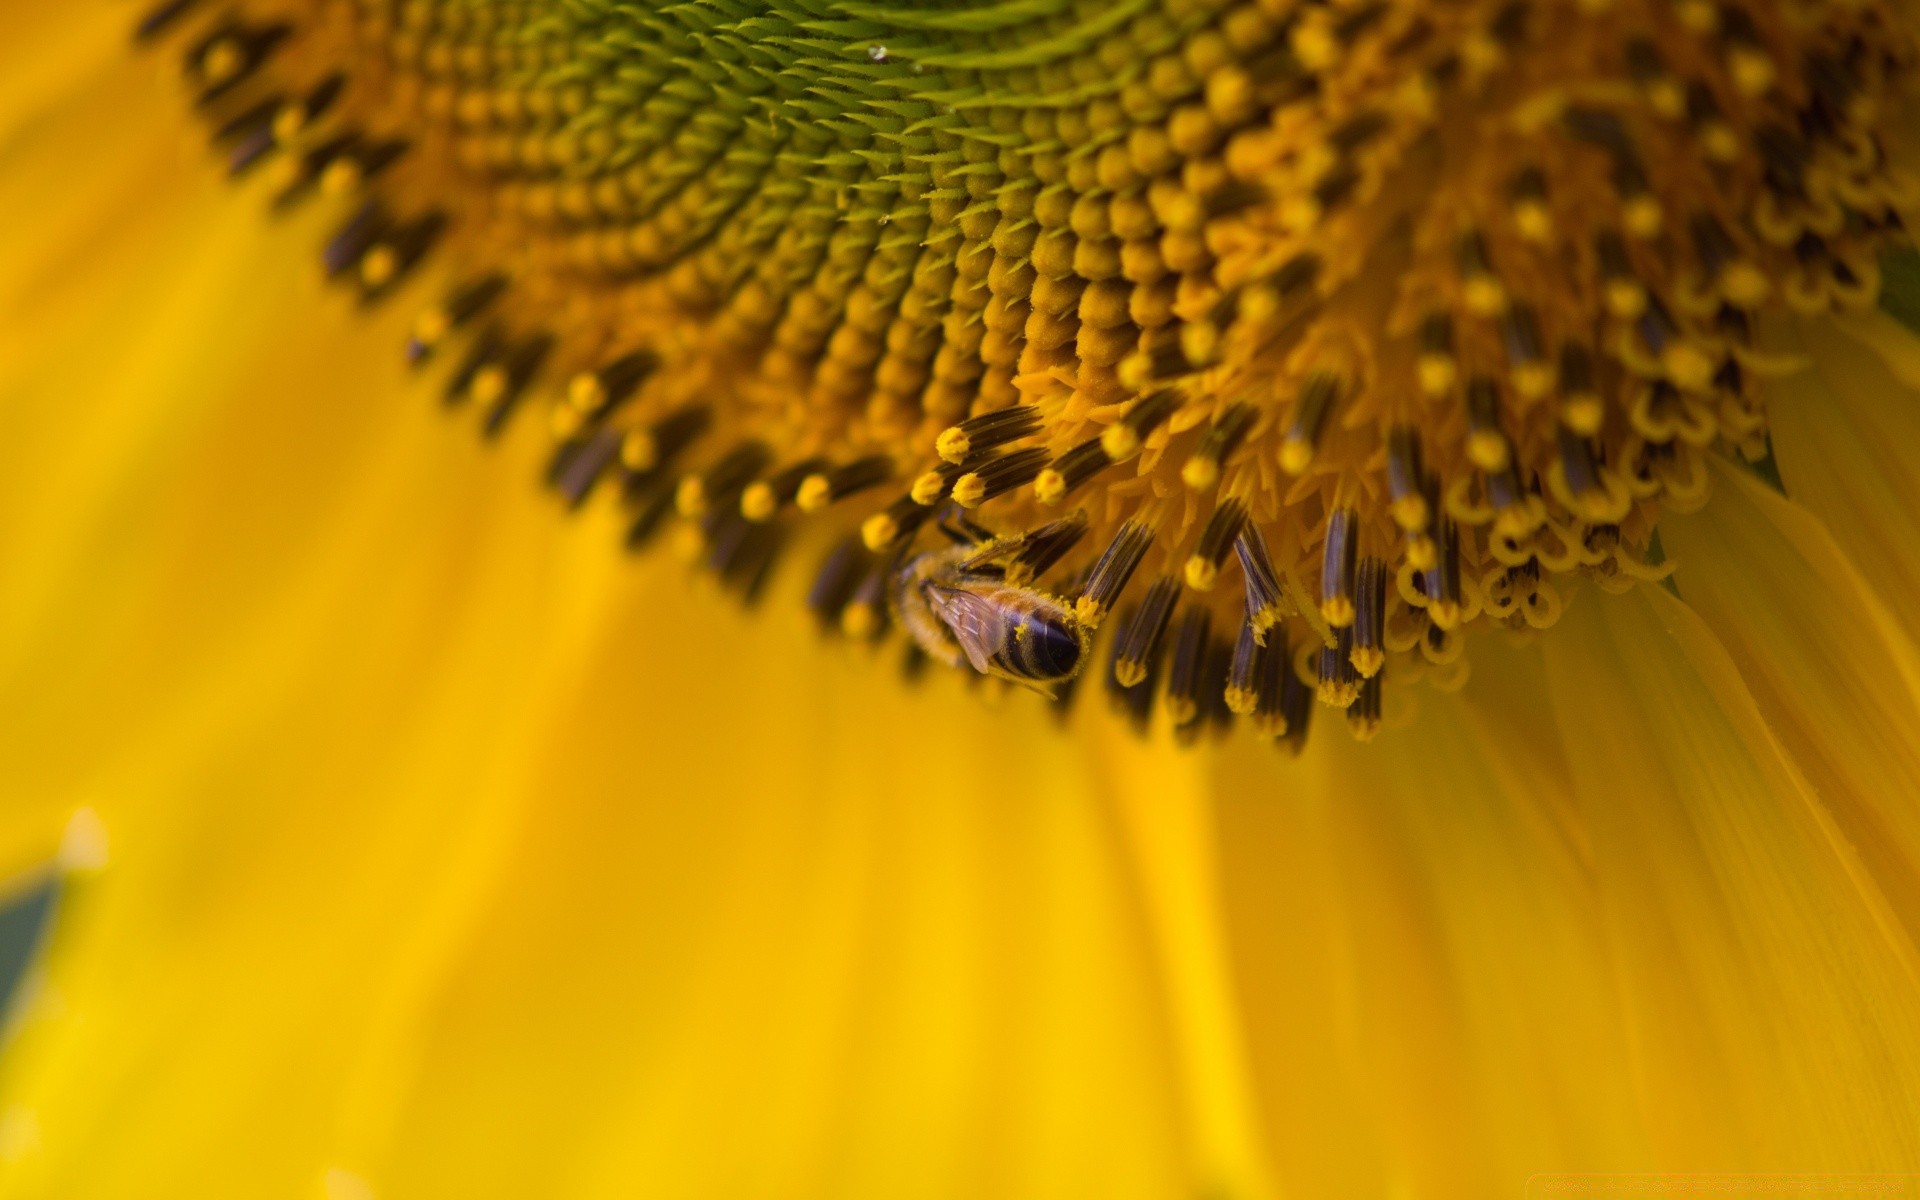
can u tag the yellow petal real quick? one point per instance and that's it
(1830, 671)
(1771, 996)
(1844, 433)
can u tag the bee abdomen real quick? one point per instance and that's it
(1042, 647)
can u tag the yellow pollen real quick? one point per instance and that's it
(969, 490)
(879, 531)
(639, 450)
(759, 502)
(585, 392)
(378, 266)
(1201, 574)
(690, 497)
(953, 444)
(341, 176)
(1200, 473)
(816, 492)
(489, 385)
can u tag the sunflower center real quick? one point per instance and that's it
(1394, 314)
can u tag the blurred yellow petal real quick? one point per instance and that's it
(1843, 433)
(1770, 993)
(1829, 669)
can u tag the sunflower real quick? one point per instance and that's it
(1530, 389)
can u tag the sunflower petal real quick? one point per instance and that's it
(1844, 433)
(1772, 997)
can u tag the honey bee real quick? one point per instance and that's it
(957, 605)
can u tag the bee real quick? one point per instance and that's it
(958, 606)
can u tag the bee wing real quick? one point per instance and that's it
(978, 624)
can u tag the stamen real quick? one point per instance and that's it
(1041, 548)
(1217, 538)
(1267, 601)
(1309, 417)
(1123, 440)
(1370, 618)
(1139, 643)
(988, 431)
(1202, 469)
(824, 488)
(1070, 471)
(998, 477)
(1191, 647)
(1339, 562)
(464, 304)
(1111, 573)
(718, 487)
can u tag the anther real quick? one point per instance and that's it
(959, 442)
(1070, 471)
(1271, 670)
(1266, 600)
(1480, 289)
(1340, 557)
(824, 488)
(1131, 685)
(1046, 545)
(865, 616)
(1248, 669)
(345, 248)
(1310, 411)
(1748, 62)
(498, 386)
(1578, 463)
(834, 584)
(162, 17)
(1202, 468)
(1339, 682)
(1112, 572)
(1487, 445)
(1406, 481)
(932, 486)
(1436, 366)
(1370, 618)
(1581, 407)
(1640, 212)
(718, 487)
(652, 501)
(1188, 677)
(1123, 439)
(465, 303)
(764, 498)
(1441, 581)
(1217, 537)
(1662, 91)
(226, 58)
(1718, 139)
(742, 552)
(649, 448)
(1740, 281)
(998, 477)
(480, 356)
(1140, 642)
(1527, 205)
(1626, 296)
(603, 390)
(577, 466)
(891, 524)
(1528, 371)
(1363, 715)
(400, 250)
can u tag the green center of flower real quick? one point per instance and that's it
(1283, 340)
